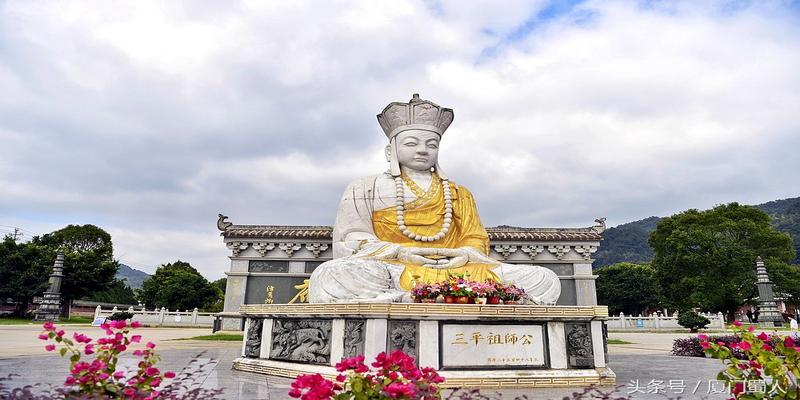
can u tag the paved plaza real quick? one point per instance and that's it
(643, 361)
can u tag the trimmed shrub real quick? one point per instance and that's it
(120, 316)
(692, 320)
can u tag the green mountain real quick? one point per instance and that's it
(628, 242)
(133, 277)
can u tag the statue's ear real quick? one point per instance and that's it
(388, 153)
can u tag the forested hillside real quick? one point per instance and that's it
(628, 242)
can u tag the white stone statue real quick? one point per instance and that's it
(412, 224)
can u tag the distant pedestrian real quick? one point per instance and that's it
(755, 316)
(749, 315)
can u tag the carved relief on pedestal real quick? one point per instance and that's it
(505, 250)
(586, 251)
(532, 251)
(289, 248)
(263, 248)
(252, 348)
(305, 340)
(580, 353)
(316, 248)
(237, 247)
(558, 250)
(354, 337)
(403, 336)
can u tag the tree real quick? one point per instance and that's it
(628, 288)
(22, 272)
(221, 283)
(178, 286)
(89, 265)
(118, 292)
(787, 280)
(706, 259)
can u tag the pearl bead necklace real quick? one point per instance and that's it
(400, 207)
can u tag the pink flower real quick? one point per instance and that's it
(103, 376)
(48, 326)
(43, 337)
(138, 353)
(745, 346)
(60, 333)
(89, 349)
(767, 347)
(705, 345)
(788, 342)
(397, 389)
(721, 343)
(737, 323)
(702, 336)
(50, 347)
(81, 338)
(751, 328)
(129, 392)
(169, 374)
(151, 345)
(136, 338)
(156, 382)
(121, 324)
(69, 381)
(119, 375)
(341, 378)
(763, 336)
(151, 371)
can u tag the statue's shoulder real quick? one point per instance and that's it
(366, 185)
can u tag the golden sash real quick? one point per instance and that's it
(425, 216)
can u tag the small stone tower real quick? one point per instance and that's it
(769, 315)
(50, 308)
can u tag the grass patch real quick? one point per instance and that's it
(27, 320)
(226, 337)
(619, 341)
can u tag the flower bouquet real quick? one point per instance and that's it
(426, 292)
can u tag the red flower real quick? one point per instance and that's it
(136, 324)
(788, 342)
(398, 389)
(50, 347)
(767, 347)
(744, 346)
(351, 363)
(341, 378)
(737, 323)
(751, 328)
(738, 388)
(169, 374)
(763, 336)
(151, 371)
(705, 345)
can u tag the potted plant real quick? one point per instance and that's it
(482, 290)
(512, 294)
(496, 294)
(425, 292)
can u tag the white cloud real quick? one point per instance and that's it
(148, 118)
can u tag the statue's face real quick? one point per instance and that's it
(417, 149)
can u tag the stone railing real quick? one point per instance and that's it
(658, 322)
(163, 317)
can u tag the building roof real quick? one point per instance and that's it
(497, 233)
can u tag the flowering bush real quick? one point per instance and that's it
(100, 378)
(512, 293)
(393, 376)
(769, 362)
(426, 290)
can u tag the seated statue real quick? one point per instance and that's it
(412, 224)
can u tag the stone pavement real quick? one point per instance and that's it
(646, 360)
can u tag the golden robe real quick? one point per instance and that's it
(425, 216)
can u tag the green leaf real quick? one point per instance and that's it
(63, 351)
(74, 358)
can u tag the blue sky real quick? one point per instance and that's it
(149, 118)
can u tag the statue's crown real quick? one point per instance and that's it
(416, 114)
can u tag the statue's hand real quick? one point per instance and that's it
(414, 255)
(455, 258)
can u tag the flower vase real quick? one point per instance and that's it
(480, 300)
(417, 300)
(493, 300)
(462, 299)
(449, 299)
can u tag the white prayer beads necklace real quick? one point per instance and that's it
(400, 207)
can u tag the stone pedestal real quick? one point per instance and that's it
(487, 346)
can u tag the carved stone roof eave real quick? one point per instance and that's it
(500, 233)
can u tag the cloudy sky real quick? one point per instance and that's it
(149, 118)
